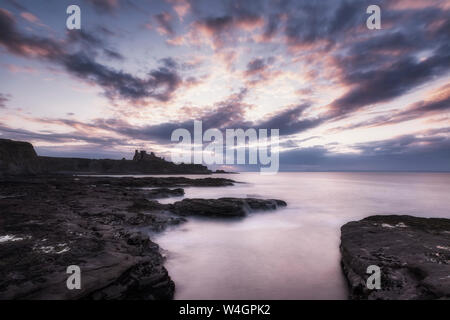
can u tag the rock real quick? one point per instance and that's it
(223, 207)
(142, 163)
(48, 223)
(155, 182)
(160, 193)
(413, 254)
(220, 171)
(18, 158)
(144, 204)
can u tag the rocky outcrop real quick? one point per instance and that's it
(100, 224)
(18, 158)
(160, 193)
(108, 166)
(413, 255)
(48, 224)
(223, 207)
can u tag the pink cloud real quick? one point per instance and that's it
(181, 7)
(30, 17)
(20, 69)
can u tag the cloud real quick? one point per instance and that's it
(3, 100)
(30, 17)
(374, 67)
(220, 30)
(227, 114)
(27, 135)
(374, 86)
(438, 105)
(181, 7)
(16, 5)
(403, 153)
(291, 121)
(310, 22)
(255, 66)
(260, 70)
(394, 61)
(104, 6)
(160, 83)
(18, 43)
(164, 21)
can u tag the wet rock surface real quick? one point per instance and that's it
(160, 193)
(100, 224)
(413, 254)
(223, 207)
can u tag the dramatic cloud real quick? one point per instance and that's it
(404, 153)
(291, 121)
(375, 86)
(321, 21)
(237, 64)
(27, 135)
(383, 67)
(16, 42)
(160, 83)
(438, 105)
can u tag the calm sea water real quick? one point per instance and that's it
(291, 253)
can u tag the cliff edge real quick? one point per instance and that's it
(18, 158)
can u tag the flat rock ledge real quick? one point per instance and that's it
(413, 255)
(223, 207)
(220, 208)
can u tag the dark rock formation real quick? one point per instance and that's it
(160, 193)
(108, 166)
(100, 224)
(219, 171)
(143, 156)
(18, 158)
(47, 224)
(223, 207)
(413, 254)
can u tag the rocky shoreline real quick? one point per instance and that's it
(100, 224)
(413, 255)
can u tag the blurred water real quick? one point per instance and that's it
(291, 253)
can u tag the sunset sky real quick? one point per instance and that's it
(344, 97)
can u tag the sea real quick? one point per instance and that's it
(293, 252)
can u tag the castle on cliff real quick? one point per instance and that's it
(143, 155)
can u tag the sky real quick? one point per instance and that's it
(344, 97)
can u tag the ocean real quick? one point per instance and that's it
(293, 252)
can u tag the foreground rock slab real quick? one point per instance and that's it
(413, 254)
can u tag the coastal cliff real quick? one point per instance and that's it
(102, 225)
(20, 158)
